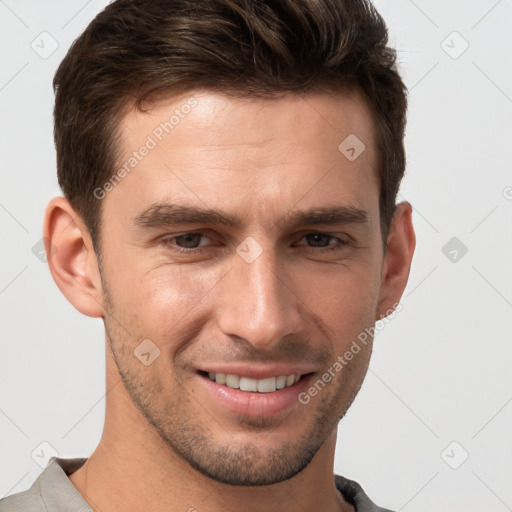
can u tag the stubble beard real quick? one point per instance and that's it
(176, 419)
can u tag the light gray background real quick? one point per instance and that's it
(440, 372)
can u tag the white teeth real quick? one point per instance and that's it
(267, 385)
(281, 382)
(247, 384)
(233, 381)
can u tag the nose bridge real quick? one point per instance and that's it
(258, 305)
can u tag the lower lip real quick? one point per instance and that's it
(252, 404)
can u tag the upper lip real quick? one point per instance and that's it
(257, 371)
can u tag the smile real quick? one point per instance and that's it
(255, 391)
(267, 385)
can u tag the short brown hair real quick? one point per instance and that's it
(136, 50)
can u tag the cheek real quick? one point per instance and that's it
(347, 286)
(155, 299)
(345, 299)
(165, 296)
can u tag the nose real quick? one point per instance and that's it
(258, 303)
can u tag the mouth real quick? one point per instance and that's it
(248, 384)
(254, 393)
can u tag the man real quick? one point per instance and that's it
(230, 171)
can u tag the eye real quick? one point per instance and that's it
(185, 242)
(319, 239)
(322, 242)
(197, 242)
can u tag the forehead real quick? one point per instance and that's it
(215, 149)
(212, 114)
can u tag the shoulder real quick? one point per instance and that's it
(28, 501)
(355, 495)
(51, 492)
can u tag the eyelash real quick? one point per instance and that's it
(341, 245)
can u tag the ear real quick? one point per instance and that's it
(401, 242)
(71, 258)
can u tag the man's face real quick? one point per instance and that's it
(273, 293)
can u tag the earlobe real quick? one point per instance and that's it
(71, 258)
(397, 261)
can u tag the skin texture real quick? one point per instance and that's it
(167, 444)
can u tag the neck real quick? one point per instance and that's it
(133, 469)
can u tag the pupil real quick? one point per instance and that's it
(191, 240)
(315, 238)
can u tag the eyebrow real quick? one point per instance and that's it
(162, 215)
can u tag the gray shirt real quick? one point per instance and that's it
(54, 492)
